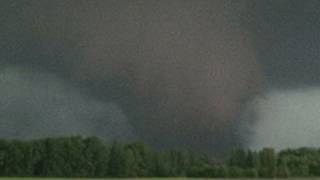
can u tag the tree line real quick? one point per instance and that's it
(90, 157)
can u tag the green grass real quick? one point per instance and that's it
(115, 179)
(100, 178)
(13, 178)
(89, 178)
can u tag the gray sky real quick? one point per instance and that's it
(289, 42)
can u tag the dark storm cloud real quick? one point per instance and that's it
(288, 42)
(182, 71)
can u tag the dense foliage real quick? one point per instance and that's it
(90, 157)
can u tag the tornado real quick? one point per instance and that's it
(180, 71)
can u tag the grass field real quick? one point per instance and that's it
(154, 178)
(115, 179)
(118, 178)
(148, 178)
(90, 178)
(82, 178)
(39, 178)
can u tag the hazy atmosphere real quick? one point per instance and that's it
(204, 75)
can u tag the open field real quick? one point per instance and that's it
(94, 178)
(125, 178)
(39, 178)
(97, 178)
(113, 178)
(152, 178)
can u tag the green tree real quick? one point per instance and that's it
(268, 162)
(250, 173)
(235, 172)
(96, 155)
(140, 159)
(72, 149)
(253, 160)
(238, 158)
(283, 171)
(53, 163)
(117, 164)
(221, 171)
(3, 157)
(161, 167)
